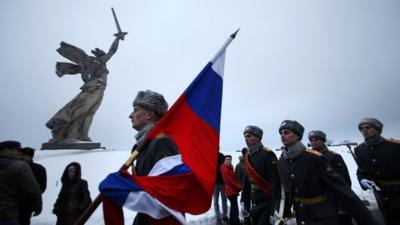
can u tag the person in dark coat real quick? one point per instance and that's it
(219, 190)
(232, 189)
(17, 185)
(317, 140)
(38, 170)
(240, 170)
(263, 175)
(148, 108)
(378, 168)
(74, 196)
(40, 174)
(241, 175)
(308, 177)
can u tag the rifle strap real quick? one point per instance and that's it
(281, 206)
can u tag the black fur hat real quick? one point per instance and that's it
(10, 144)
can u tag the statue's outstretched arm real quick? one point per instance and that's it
(112, 50)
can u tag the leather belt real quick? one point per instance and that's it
(312, 200)
(385, 183)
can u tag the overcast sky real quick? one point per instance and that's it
(326, 64)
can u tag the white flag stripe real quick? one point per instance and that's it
(222, 49)
(219, 65)
(165, 165)
(141, 201)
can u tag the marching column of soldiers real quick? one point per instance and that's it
(316, 185)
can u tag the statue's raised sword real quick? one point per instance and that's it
(120, 33)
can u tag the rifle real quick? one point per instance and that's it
(348, 145)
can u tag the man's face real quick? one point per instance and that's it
(316, 143)
(251, 139)
(26, 157)
(15, 152)
(288, 137)
(140, 117)
(368, 131)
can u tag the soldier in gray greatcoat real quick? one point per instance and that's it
(377, 160)
(261, 167)
(317, 140)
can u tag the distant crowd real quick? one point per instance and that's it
(22, 183)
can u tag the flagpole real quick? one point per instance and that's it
(227, 42)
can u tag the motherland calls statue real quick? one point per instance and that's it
(72, 122)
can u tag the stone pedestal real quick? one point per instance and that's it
(71, 145)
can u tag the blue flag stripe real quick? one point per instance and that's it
(118, 187)
(204, 96)
(177, 170)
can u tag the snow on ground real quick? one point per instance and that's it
(97, 164)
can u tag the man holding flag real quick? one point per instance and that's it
(175, 170)
(148, 108)
(158, 154)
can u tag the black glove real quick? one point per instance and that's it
(247, 219)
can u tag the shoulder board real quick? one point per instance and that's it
(161, 135)
(393, 140)
(267, 149)
(357, 146)
(316, 153)
(332, 151)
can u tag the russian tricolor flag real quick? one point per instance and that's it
(184, 183)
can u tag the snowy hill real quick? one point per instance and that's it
(97, 164)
